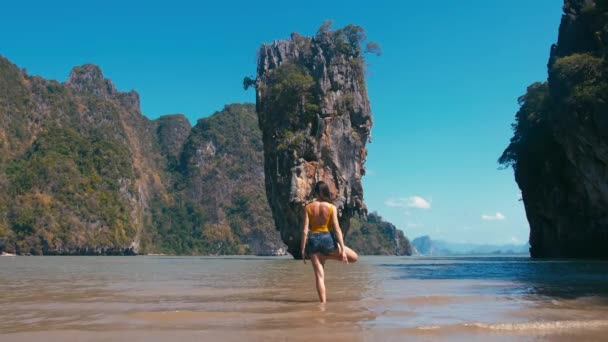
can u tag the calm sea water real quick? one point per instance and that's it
(267, 299)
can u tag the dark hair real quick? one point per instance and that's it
(322, 192)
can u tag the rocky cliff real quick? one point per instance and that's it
(315, 118)
(76, 172)
(222, 170)
(82, 171)
(374, 236)
(559, 150)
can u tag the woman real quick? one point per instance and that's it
(321, 215)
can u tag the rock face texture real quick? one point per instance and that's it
(315, 118)
(172, 132)
(560, 146)
(223, 173)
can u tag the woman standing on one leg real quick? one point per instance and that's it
(320, 246)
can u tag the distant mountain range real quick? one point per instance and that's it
(424, 245)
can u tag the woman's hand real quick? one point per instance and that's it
(344, 257)
(304, 256)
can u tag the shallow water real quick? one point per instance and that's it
(254, 298)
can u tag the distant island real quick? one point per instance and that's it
(424, 245)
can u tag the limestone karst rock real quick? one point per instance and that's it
(315, 118)
(560, 146)
(83, 171)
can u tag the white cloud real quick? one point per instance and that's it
(414, 225)
(419, 202)
(495, 217)
(409, 202)
(514, 239)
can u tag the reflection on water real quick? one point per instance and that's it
(249, 298)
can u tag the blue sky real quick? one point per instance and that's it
(443, 94)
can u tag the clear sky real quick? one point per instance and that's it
(444, 92)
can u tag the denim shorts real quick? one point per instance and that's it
(320, 243)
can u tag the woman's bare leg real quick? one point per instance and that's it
(317, 265)
(350, 255)
(322, 259)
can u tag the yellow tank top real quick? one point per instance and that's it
(324, 228)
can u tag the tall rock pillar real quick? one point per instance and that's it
(315, 117)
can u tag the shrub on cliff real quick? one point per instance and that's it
(291, 91)
(528, 123)
(375, 236)
(348, 40)
(579, 80)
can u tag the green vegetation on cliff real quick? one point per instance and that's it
(221, 178)
(65, 181)
(578, 88)
(375, 236)
(82, 171)
(65, 177)
(291, 91)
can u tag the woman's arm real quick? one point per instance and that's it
(304, 233)
(339, 236)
